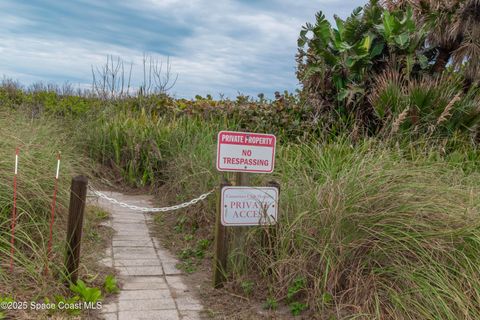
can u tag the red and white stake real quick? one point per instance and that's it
(53, 206)
(14, 210)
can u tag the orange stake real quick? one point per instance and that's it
(53, 205)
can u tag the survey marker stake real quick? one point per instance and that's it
(53, 206)
(14, 210)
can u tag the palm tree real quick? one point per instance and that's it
(455, 31)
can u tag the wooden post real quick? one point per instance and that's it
(238, 234)
(78, 194)
(242, 179)
(221, 244)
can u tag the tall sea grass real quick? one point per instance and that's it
(369, 230)
(38, 140)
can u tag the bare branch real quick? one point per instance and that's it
(108, 80)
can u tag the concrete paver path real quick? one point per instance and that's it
(153, 287)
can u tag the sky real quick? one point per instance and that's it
(222, 47)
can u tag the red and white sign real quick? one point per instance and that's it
(245, 152)
(249, 206)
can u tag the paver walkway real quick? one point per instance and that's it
(153, 287)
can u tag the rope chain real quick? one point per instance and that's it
(147, 209)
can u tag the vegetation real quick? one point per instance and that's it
(35, 188)
(377, 158)
(454, 32)
(39, 140)
(377, 229)
(388, 50)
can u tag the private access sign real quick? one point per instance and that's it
(249, 206)
(245, 152)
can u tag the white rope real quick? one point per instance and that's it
(147, 209)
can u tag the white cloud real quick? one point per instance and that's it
(232, 46)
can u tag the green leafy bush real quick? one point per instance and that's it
(340, 66)
(110, 284)
(86, 294)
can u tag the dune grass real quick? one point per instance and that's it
(39, 140)
(370, 230)
(376, 235)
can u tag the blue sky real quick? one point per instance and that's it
(215, 47)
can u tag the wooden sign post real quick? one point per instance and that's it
(242, 153)
(221, 245)
(238, 234)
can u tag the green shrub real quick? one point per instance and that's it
(379, 235)
(415, 39)
(85, 293)
(370, 228)
(110, 284)
(425, 106)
